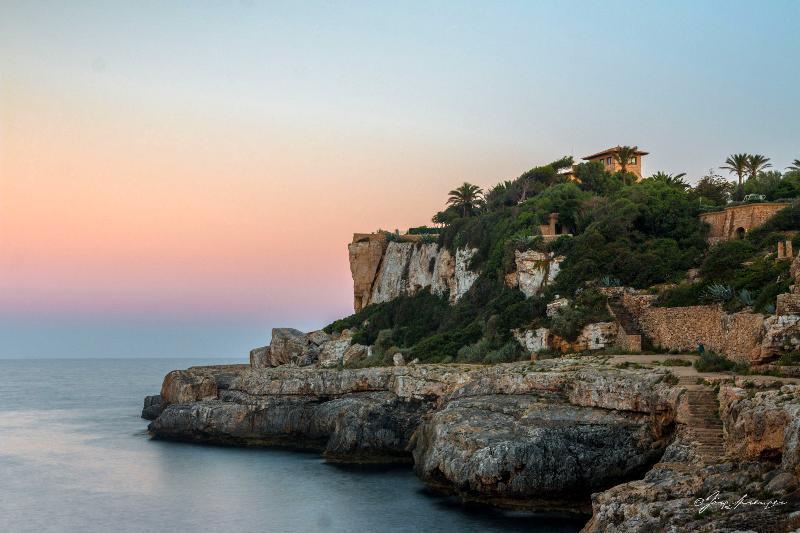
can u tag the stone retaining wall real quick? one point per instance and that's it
(738, 335)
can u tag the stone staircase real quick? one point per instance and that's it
(704, 424)
(630, 336)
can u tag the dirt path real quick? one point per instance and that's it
(689, 375)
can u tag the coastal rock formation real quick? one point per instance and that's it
(531, 448)
(293, 347)
(763, 424)
(383, 270)
(525, 421)
(197, 383)
(152, 407)
(537, 435)
(357, 427)
(687, 492)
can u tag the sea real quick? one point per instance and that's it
(75, 456)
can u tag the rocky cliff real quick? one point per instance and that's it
(753, 486)
(383, 270)
(527, 435)
(560, 434)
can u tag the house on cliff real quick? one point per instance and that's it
(610, 164)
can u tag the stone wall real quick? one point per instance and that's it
(733, 222)
(738, 335)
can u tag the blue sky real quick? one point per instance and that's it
(397, 102)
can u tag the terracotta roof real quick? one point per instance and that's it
(611, 151)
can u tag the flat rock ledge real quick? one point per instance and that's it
(524, 435)
(576, 435)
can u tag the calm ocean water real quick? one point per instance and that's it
(74, 456)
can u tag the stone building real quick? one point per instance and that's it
(553, 229)
(606, 157)
(735, 221)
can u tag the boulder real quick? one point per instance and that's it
(533, 340)
(555, 307)
(152, 407)
(260, 357)
(398, 359)
(183, 386)
(332, 352)
(356, 352)
(287, 346)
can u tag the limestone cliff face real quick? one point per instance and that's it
(383, 270)
(534, 271)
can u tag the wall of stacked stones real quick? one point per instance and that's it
(738, 335)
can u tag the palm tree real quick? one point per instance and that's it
(795, 166)
(737, 164)
(756, 163)
(670, 179)
(623, 156)
(467, 198)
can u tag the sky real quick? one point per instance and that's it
(177, 178)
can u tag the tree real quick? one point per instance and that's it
(795, 166)
(592, 177)
(504, 194)
(467, 199)
(443, 218)
(737, 164)
(623, 156)
(671, 179)
(714, 188)
(756, 163)
(537, 179)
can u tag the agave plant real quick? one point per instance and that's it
(719, 292)
(608, 281)
(746, 297)
(770, 309)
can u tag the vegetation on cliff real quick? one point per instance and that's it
(617, 232)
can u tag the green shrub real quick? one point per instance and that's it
(725, 259)
(789, 359)
(711, 362)
(682, 296)
(510, 351)
(676, 362)
(589, 306)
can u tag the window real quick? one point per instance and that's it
(608, 161)
(632, 161)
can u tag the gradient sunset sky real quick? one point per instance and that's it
(176, 178)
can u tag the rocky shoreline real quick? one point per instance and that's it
(576, 435)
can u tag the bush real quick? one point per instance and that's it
(676, 362)
(589, 306)
(711, 362)
(682, 296)
(725, 259)
(511, 351)
(789, 359)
